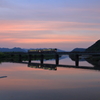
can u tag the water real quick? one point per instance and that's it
(21, 82)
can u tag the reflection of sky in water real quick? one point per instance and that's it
(24, 83)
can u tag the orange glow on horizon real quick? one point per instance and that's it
(63, 40)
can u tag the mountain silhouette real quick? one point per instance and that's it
(15, 49)
(94, 48)
(78, 50)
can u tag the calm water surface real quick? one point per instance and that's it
(20, 82)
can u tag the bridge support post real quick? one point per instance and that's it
(12, 57)
(35, 57)
(30, 58)
(57, 59)
(20, 58)
(42, 58)
(77, 60)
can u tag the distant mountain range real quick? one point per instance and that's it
(17, 49)
(93, 48)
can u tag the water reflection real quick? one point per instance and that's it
(42, 66)
(54, 66)
(27, 81)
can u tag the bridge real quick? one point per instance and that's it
(56, 54)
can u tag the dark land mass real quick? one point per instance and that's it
(94, 60)
(94, 48)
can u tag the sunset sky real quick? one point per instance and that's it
(63, 24)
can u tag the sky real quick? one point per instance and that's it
(63, 24)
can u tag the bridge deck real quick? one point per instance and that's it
(59, 53)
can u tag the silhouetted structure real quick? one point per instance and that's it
(55, 55)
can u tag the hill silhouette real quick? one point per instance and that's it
(78, 50)
(94, 48)
(15, 49)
